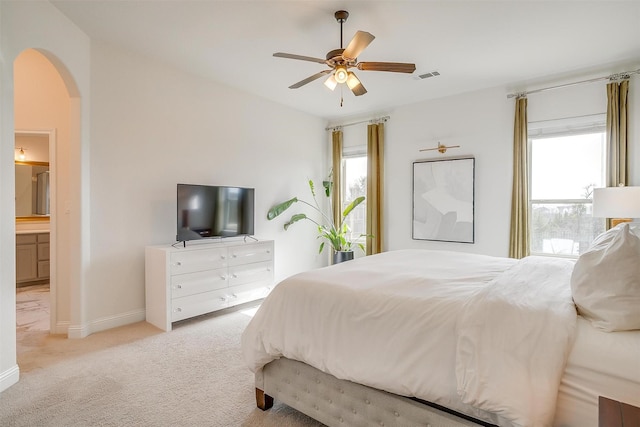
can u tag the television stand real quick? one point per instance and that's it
(184, 282)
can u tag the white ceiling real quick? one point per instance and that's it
(472, 44)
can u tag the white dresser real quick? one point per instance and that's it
(183, 282)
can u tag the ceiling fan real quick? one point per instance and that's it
(341, 60)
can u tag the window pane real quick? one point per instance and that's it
(566, 167)
(563, 228)
(564, 171)
(355, 185)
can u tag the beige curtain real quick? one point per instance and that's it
(617, 128)
(336, 196)
(519, 233)
(375, 181)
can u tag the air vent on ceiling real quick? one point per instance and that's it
(427, 75)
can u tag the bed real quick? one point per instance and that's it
(421, 337)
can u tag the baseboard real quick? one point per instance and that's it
(61, 328)
(75, 332)
(118, 320)
(83, 331)
(9, 377)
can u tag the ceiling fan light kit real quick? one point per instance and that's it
(340, 74)
(340, 60)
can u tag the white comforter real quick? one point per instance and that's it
(451, 328)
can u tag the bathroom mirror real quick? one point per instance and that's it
(32, 191)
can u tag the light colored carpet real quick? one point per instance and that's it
(138, 375)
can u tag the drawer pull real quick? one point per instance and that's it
(250, 254)
(234, 276)
(223, 278)
(178, 264)
(178, 287)
(234, 295)
(177, 310)
(223, 299)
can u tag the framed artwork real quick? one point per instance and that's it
(443, 200)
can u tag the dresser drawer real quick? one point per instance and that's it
(198, 260)
(255, 252)
(249, 292)
(256, 272)
(183, 285)
(195, 305)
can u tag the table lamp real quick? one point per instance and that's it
(621, 204)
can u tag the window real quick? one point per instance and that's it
(354, 181)
(565, 166)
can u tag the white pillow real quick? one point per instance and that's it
(606, 280)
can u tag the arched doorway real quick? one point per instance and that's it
(43, 104)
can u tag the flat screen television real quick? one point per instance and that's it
(208, 211)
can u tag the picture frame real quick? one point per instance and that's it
(444, 200)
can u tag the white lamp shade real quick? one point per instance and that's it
(616, 202)
(331, 82)
(352, 80)
(341, 74)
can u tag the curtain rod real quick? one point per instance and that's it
(377, 120)
(619, 76)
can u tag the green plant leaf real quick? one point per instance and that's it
(279, 208)
(312, 188)
(352, 206)
(336, 235)
(294, 219)
(327, 187)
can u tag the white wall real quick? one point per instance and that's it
(155, 126)
(482, 124)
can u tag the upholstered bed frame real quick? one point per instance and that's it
(340, 403)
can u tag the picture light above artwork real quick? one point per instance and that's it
(441, 148)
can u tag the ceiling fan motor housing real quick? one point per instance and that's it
(341, 16)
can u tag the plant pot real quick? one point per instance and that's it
(341, 256)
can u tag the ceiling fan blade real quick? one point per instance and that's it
(357, 44)
(394, 67)
(309, 79)
(300, 57)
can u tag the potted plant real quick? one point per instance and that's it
(338, 235)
